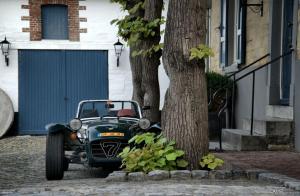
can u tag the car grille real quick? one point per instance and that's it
(107, 148)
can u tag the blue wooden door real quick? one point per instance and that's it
(286, 46)
(52, 82)
(87, 78)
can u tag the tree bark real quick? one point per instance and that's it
(136, 62)
(150, 83)
(185, 112)
(136, 72)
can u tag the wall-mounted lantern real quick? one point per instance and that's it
(118, 50)
(5, 45)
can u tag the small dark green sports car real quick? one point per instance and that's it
(98, 133)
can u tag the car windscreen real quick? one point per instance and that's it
(93, 109)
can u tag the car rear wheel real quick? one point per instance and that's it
(55, 160)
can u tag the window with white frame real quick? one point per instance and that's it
(232, 33)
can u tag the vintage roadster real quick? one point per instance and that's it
(95, 137)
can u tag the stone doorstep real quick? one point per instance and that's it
(251, 174)
(241, 140)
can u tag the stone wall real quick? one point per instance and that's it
(257, 34)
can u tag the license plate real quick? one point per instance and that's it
(111, 134)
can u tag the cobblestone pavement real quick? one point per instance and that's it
(283, 162)
(22, 173)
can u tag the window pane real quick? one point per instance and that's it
(55, 22)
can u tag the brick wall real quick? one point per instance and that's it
(35, 28)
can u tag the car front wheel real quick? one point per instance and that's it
(55, 156)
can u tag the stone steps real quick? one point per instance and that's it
(241, 140)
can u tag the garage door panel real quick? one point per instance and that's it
(52, 82)
(41, 92)
(86, 78)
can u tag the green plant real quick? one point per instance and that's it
(210, 162)
(215, 82)
(133, 28)
(150, 152)
(201, 52)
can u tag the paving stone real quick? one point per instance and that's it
(199, 174)
(181, 174)
(223, 174)
(252, 174)
(117, 176)
(136, 176)
(238, 174)
(274, 178)
(158, 175)
(293, 184)
(220, 174)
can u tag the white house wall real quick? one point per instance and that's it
(100, 36)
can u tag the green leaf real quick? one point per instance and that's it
(202, 164)
(161, 162)
(179, 153)
(212, 165)
(171, 156)
(201, 52)
(182, 163)
(114, 21)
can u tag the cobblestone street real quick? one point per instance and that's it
(22, 173)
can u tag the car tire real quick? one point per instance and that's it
(55, 156)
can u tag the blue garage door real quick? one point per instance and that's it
(52, 82)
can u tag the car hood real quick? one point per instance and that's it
(109, 129)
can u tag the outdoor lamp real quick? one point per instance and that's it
(118, 50)
(5, 45)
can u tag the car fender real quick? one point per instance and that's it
(54, 128)
(155, 128)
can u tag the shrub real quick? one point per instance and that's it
(150, 152)
(210, 162)
(215, 81)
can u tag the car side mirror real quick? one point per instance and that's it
(146, 108)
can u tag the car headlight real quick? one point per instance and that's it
(75, 124)
(144, 123)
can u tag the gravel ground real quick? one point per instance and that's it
(22, 173)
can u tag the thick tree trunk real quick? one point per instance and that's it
(185, 115)
(136, 72)
(150, 83)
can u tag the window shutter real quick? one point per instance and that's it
(223, 34)
(241, 33)
(55, 22)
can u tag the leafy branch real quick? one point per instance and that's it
(201, 52)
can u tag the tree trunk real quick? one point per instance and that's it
(136, 72)
(136, 63)
(185, 112)
(150, 83)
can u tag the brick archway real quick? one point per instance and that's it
(36, 23)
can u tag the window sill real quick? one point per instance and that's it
(231, 68)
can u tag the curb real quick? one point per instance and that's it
(251, 174)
